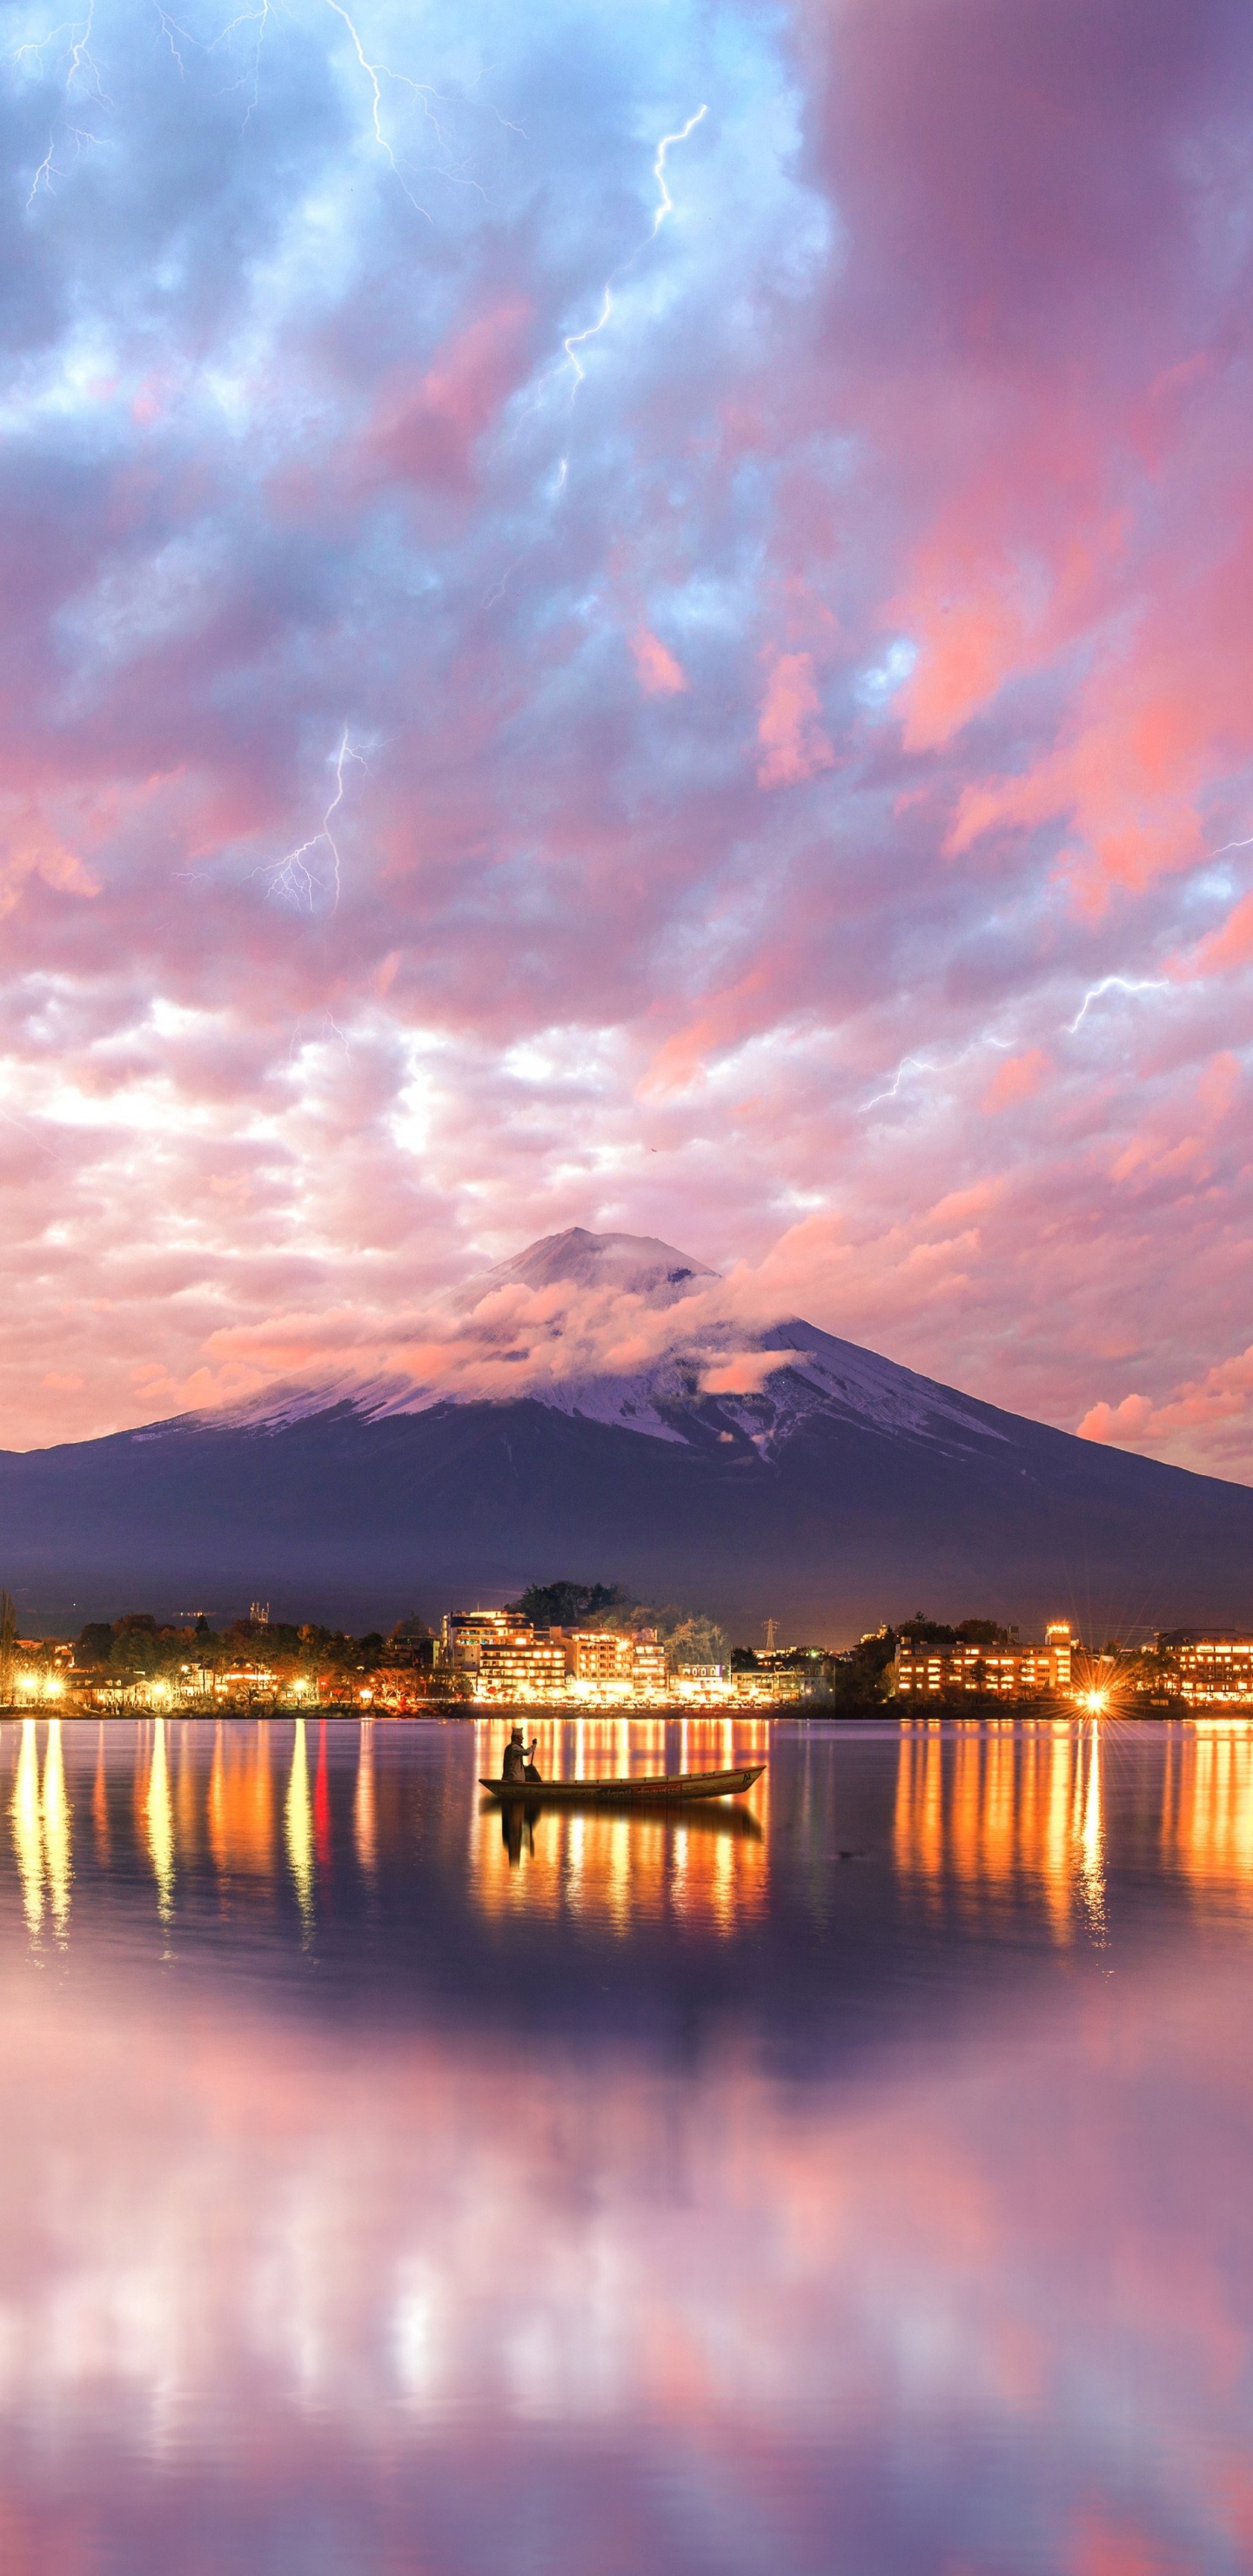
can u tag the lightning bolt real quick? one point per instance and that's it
(577, 338)
(79, 33)
(376, 74)
(260, 19)
(293, 880)
(170, 28)
(934, 1064)
(666, 203)
(665, 206)
(1116, 983)
(908, 1064)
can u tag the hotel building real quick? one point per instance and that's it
(1008, 1672)
(1208, 1668)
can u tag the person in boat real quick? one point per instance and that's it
(519, 1762)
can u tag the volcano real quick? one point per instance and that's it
(749, 1472)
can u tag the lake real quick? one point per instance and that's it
(855, 2178)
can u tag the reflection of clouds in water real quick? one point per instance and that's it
(312, 2226)
(951, 2266)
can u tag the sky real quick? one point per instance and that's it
(633, 618)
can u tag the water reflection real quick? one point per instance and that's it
(980, 1817)
(298, 1827)
(1207, 1820)
(159, 1822)
(40, 1813)
(241, 1801)
(988, 1811)
(27, 1829)
(707, 1864)
(54, 1809)
(364, 1822)
(647, 2192)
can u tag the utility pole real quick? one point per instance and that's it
(770, 1628)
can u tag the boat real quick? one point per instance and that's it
(664, 1789)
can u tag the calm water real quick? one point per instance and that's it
(861, 2181)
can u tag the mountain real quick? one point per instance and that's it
(655, 1440)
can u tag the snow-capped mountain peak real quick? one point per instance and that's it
(637, 1265)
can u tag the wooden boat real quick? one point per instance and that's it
(665, 1789)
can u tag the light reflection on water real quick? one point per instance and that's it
(852, 2179)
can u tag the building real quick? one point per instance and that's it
(1005, 1672)
(769, 1688)
(1208, 1667)
(1062, 1646)
(516, 1664)
(613, 1669)
(598, 1660)
(648, 1667)
(466, 1632)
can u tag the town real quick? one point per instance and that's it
(582, 1647)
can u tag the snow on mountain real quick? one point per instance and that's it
(634, 1264)
(706, 1372)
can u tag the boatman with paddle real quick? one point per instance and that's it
(518, 1767)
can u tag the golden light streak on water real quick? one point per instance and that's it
(187, 1800)
(1093, 1836)
(241, 1801)
(965, 1834)
(997, 1806)
(100, 1804)
(159, 1823)
(298, 1829)
(55, 1810)
(918, 1822)
(27, 1829)
(1000, 1801)
(1207, 1818)
(364, 1817)
(1056, 1861)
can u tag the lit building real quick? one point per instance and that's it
(1060, 1645)
(1006, 1672)
(612, 1669)
(467, 1632)
(704, 1686)
(598, 1657)
(1210, 1668)
(514, 1664)
(648, 1666)
(765, 1689)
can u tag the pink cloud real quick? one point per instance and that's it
(793, 744)
(1126, 1425)
(426, 427)
(659, 673)
(1219, 1406)
(568, 966)
(1226, 949)
(744, 1372)
(1019, 1078)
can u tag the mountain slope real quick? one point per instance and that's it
(838, 1491)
